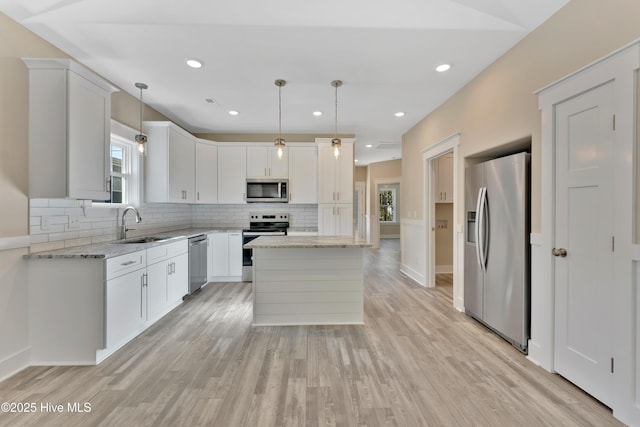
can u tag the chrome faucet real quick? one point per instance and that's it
(124, 229)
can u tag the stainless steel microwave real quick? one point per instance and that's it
(267, 190)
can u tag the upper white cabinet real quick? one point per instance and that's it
(263, 162)
(206, 173)
(169, 164)
(232, 174)
(445, 179)
(303, 175)
(69, 130)
(335, 175)
(335, 190)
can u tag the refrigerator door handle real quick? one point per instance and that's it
(478, 235)
(481, 229)
(484, 229)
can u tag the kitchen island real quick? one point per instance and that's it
(307, 280)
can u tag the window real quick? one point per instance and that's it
(387, 198)
(120, 163)
(124, 167)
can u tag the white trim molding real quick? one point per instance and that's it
(448, 145)
(17, 242)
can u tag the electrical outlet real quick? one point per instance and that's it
(74, 222)
(44, 223)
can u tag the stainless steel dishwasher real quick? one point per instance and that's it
(197, 262)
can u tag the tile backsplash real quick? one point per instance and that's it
(60, 223)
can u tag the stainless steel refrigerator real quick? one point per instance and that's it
(496, 253)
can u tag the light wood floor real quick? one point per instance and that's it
(416, 362)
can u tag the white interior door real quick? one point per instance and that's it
(584, 228)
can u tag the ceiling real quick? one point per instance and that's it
(385, 52)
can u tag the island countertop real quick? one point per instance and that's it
(275, 242)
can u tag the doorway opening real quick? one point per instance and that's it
(443, 233)
(440, 201)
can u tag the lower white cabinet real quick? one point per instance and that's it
(225, 256)
(126, 309)
(167, 279)
(335, 219)
(84, 309)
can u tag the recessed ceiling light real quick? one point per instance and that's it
(234, 112)
(194, 63)
(443, 67)
(399, 114)
(368, 145)
(355, 161)
(317, 113)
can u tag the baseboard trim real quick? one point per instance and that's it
(11, 365)
(444, 269)
(412, 274)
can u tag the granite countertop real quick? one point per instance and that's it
(307, 242)
(117, 247)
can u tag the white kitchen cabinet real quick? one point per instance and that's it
(335, 219)
(69, 130)
(444, 192)
(335, 176)
(225, 256)
(169, 164)
(263, 162)
(84, 309)
(126, 308)
(178, 283)
(206, 173)
(335, 190)
(235, 254)
(303, 175)
(232, 174)
(167, 278)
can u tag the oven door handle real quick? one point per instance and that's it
(263, 233)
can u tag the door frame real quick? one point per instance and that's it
(429, 159)
(374, 220)
(360, 187)
(621, 67)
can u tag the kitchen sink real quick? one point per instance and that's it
(147, 239)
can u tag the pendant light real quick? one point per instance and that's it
(279, 143)
(141, 138)
(336, 143)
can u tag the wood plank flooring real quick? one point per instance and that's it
(415, 362)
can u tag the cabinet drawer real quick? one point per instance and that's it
(169, 250)
(125, 263)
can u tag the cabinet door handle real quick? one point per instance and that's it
(338, 195)
(128, 262)
(141, 295)
(144, 279)
(269, 171)
(265, 171)
(198, 195)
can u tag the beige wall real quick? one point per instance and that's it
(17, 42)
(499, 106)
(360, 174)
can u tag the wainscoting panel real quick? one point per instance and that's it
(412, 244)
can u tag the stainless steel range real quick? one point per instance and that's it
(260, 224)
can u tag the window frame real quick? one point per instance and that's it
(393, 204)
(124, 136)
